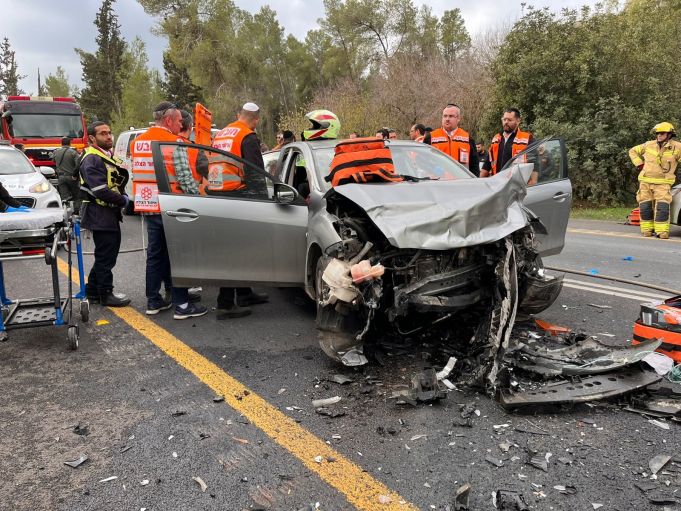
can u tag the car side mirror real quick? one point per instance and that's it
(47, 171)
(284, 194)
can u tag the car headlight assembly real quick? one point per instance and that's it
(41, 187)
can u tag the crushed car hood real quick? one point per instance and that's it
(441, 215)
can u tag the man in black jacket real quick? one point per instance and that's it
(66, 161)
(102, 184)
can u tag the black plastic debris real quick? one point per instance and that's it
(178, 413)
(530, 429)
(575, 354)
(425, 388)
(509, 500)
(462, 497)
(646, 486)
(218, 399)
(78, 462)
(81, 429)
(590, 388)
(328, 412)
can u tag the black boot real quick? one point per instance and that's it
(111, 299)
(250, 297)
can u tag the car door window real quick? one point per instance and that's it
(549, 159)
(214, 173)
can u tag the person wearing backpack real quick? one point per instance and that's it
(66, 166)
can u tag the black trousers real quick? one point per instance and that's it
(226, 298)
(107, 245)
(69, 190)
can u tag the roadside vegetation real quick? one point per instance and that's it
(600, 78)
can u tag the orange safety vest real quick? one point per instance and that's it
(224, 176)
(520, 143)
(458, 146)
(144, 186)
(362, 160)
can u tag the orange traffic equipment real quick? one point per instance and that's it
(661, 321)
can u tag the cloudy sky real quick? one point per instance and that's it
(44, 32)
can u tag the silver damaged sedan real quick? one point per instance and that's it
(441, 252)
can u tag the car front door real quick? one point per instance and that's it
(549, 193)
(251, 232)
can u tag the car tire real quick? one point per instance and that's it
(337, 332)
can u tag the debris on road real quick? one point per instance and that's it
(425, 388)
(200, 482)
(178, 413)
(106, 480)
(599, 306)
(78, 462)
(462, 497)
(658, 462)
(494, 461)
(509, 500)
(218, 399)
(660, 362)
(341, 379)
(659, 424)
(319, 403)
(81, 429)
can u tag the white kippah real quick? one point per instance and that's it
(250, 107)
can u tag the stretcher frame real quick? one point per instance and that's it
(20, 245)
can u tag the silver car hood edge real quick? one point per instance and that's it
(442, 215)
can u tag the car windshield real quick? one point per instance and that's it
(13, 162)
(418, 161)
(46, 126)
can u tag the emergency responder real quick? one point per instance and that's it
(240, 139)
(198, 161)
(66, 165)
(507, 144)
(454, 141)
(656, 160)
(102, 188)
(168, 123)
(417, 132)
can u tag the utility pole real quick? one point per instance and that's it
(40, 87)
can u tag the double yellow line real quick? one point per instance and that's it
(359, 488)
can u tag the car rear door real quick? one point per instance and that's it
(245, 236)
(549, 194)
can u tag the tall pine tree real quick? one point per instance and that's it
(104, 71)
(9, 71)
(178, 86)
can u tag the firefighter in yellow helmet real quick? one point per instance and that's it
(656, 160)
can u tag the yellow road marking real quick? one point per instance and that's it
(359, 488)
(614, 234)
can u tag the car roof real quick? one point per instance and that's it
(326, 143)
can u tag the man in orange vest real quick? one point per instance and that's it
(168, 123)
(454, 141)
(507, 144)
(240, 139)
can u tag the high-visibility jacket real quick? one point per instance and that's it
(520, 143)
(116, 178)
(362, 160)
(144, 186)
(224, 176)
(659, 163)
(458, 146)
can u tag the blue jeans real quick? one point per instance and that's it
(158, 264)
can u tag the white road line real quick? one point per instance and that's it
(638, 298)
(614, 288)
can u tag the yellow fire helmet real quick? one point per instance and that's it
(664, 127)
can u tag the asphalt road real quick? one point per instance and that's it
(145, 396)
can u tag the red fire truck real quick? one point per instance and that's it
(39, 123)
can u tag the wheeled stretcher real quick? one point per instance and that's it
(37, 235)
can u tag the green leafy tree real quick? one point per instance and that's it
(141, 89)
(453, 36)
(178, 86)
(104, 71)
(9, 70)
(57, 84)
